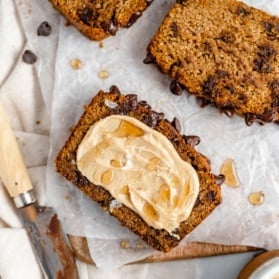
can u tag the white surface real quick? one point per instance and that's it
(26, 104)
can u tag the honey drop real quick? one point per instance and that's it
(139, 246)
(124, 244)
(175, 201)
(115, 164)
(256, 198)
(119, 162)
(103, 74)
(124, 190)
(106, 177)
(228, 169)
(127, 129)
(150, 211)
(76, 64)
(164, 193)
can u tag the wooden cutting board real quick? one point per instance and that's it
(187, 251)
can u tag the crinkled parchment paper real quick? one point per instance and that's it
(254, 149)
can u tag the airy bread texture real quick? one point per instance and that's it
(100, 18)
(100, 107)
(223, 52)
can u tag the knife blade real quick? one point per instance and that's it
(48, 241)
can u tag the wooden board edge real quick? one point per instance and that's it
(187, 251)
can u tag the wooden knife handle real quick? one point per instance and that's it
(12, 168)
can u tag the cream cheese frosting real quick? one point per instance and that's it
(141, 169)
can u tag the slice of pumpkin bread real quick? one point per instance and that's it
(112, 103)
(100, 18)
(223, 52)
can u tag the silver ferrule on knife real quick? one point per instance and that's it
(24, 199)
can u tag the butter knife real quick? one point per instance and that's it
(49, 243)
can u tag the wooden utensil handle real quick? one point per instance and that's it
(12, 168)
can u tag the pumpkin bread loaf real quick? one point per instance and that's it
(223, 52)
(114, 103)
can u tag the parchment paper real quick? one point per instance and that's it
(255, 149)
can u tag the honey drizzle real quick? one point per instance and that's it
(256, 198)
(228, 169)
(127, 129)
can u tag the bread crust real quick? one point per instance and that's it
(225, 53)
(100, 18)
(209, 195)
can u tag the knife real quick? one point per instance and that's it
(42, 225)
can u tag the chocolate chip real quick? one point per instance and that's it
(198, 202)
(176, 124)
(227, 37)
(130, 102)
(219, 179)
(85, 15)
(262, 65)
(175, 64)
(80, 179)
(176, 88)
(204, 102)
(262, 62)
(242, 98)
(229, 88)
(119, 110)
(207, 47)
(271, 30)
(248, 79)
(152, 118)
(29, 57)
(175, 141)
(174, 28)
(192, 140)
(44, 29)
(241, 11)
(274, 87)
(144, 104)
(222, 73)
(250, 118)
(109, 27)
(228, 110)
(268, 26)
(270, 115)
(149, 59)
(208, 85)
(114, 89)
(134, 18)
(266, 51)
(211, 196)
